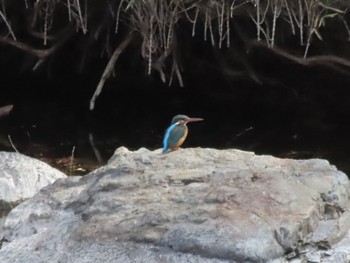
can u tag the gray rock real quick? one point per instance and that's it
(193, 205)
(21, 177)
(339, 253)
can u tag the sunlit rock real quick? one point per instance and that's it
(191, 205)
(21, 177)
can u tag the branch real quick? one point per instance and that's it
(109, 68)
(8, 25)
(40, 53)
(337, 63)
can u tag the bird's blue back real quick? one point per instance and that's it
(172, 136)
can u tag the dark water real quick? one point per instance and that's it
(52, 123)
(77, 144)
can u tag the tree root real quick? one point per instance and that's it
(336, 63)
(109, 68)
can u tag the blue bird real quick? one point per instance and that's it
(176, 134)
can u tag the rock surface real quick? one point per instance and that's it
(192, 205)
(21, 177)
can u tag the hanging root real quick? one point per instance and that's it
(156, 24)
(109, 69)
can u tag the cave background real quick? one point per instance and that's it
(272, 106)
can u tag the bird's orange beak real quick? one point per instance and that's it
(194, 119)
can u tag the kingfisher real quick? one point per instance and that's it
(176, 134)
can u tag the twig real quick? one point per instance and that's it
(8, 25)
(13, 146)
(331, 8)
(290, 17)
(179, 77)
(243, 132)
(347, 29)
(150, 46)
(275, 15)
(46, 17)
(3, 7)
(94, 148)
(221, 16)
(258, 23)
(211, 31)
(195, 22)
(71, 161)
(69, 11)
(231, 8)
(206, 25)
(86, 15)
(178, 73)
(117, 18)
(109, 69)
(301, 23)
(228, 29)
(82, 23)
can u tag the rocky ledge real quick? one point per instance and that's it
(191, 205)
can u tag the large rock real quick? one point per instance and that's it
(21, 177)
(193, 205)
